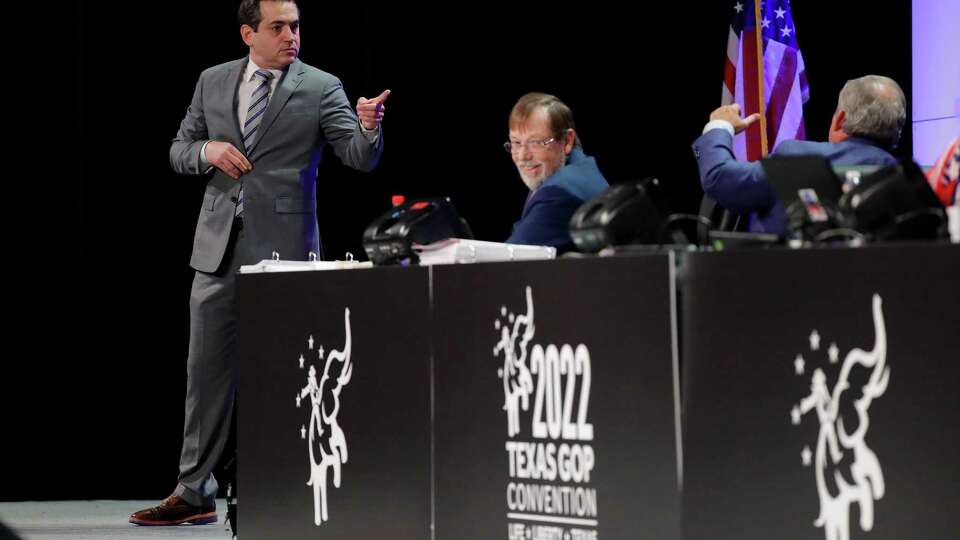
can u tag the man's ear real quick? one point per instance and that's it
(568, 140)
(246, 33)
(838, 120)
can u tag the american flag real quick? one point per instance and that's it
(781, 75)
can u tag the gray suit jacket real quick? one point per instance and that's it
(307, 110)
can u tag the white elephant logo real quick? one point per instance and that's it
(847, 470)
(325, 439)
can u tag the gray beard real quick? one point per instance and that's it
(532, 184)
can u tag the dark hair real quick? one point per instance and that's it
(561, 117)
(249, 12)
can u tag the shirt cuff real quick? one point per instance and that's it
(719, 124)
(204, 163)
(371, 134)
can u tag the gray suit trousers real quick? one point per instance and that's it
(211, 374)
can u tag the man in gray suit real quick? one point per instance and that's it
(259, 124)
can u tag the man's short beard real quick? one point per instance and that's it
(532, 184)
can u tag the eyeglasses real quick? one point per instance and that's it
(512, 147)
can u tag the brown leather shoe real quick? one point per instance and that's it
(174, 511)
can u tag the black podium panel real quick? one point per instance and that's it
(820, 394)
(347, 427)
(554, 400)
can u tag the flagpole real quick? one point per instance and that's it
(763, 112)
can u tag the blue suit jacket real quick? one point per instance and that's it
(546, 215)
(743, 188)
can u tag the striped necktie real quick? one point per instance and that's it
(258, 105)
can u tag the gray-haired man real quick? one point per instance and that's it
(870, 115)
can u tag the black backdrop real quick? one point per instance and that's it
(100, 318)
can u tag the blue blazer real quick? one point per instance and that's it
(742, 187)
(545, 220)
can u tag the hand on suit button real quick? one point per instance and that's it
(227, 158)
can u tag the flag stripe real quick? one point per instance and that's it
(804, 86)
(780, 93)
(733, 47)
(729, 77)
(751, 92)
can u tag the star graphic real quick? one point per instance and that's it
(780, 12)
(739, 7)
(805, 455)
(834, 353)
(500, 373)
(786, 31)
(503, 311)
(798, 364)
(814, 341)
(765, 23)
(301, 361)
(320, 352)
(298, 401)
(496, 324)
(310, 342)
(303, 432)
(795, 415)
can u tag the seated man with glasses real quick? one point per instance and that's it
(546, 150)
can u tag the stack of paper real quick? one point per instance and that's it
(301, 266)
(458, 251)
